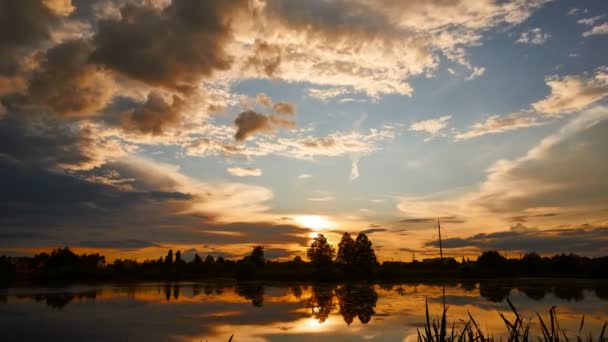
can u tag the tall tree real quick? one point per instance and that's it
(169, 257)
(178, 257)
(346, 250)
(209, 259)
(320, 252)
(364, 256)
(257, 256)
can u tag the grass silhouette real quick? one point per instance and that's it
(437, 330)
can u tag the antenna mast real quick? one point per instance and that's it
(440, 246)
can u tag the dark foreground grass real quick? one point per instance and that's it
(439, 330)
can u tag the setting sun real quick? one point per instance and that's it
(315, 222)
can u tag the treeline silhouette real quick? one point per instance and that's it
(355, 259)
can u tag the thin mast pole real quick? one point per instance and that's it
(440, 246)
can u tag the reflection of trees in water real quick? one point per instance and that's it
(535, 292)
(321, 302)
(601, 291)
(219, 289)
(60, 300)
(494, 292)
(196, 289)
(167, 292)
(296, 291)
(176, 292)
(401, 291)
(357, 301)
(468, 286)
(386, 286)
(569, 292)
(55, 301)
(208, 289)
(251, 292)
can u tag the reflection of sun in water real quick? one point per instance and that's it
(314, 222)
(312, 323)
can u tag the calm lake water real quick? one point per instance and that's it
(282, 312)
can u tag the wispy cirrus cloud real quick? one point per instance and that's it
(591, 20)
(432, 126)
(499, 124)
(326, 94)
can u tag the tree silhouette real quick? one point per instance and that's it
(531, 264)
(169, 257)
(491, 262)
(61, 257)
(257, 256)
(364, 255)
(320, 252)
(197, 259)
(346, 250)
(178, 257)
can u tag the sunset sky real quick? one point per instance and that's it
(128, 127)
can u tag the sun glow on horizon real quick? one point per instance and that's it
(314, 222)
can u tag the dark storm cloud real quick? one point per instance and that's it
(23, 24)
(66, 84)
(41, 204)
(39, 198)
(172, 47)
(39, 207)
(48, 143)
(576, 240)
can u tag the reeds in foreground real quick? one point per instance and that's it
(437, 331)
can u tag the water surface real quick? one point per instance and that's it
(215, 310)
